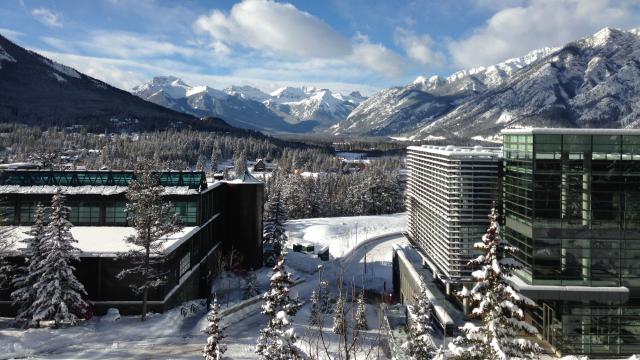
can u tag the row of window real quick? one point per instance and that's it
(89, 214)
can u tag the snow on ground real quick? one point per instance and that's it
(343, 233)
(176, 336)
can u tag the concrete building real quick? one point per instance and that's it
(223, 215)
(450, 192)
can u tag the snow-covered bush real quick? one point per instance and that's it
(214, 349)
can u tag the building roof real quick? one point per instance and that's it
(246, 178)
(459, 151)
(87, 190)
(570, 131)
(107, 241)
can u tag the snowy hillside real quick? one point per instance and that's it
(591, 82)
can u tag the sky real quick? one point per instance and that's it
(343, 45)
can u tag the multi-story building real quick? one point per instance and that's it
(450, 193)
(572, 207)
(223, 215)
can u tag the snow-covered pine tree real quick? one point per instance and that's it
(315, 318)
(325, 297)
(214, 160)
(7, 240)
(240, 163)
(277, 340)
(361, 313)
(421, 346)
(153, 219)
(200, 164)
(26, 276)
(214, 349)
(339, 323)
(274, 229)
(59, 293)
(498, 305)
(251, 286)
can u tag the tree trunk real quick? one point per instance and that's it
(145, 294)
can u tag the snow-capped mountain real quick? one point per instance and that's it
(39, 91)
(592, 82)
(321, 105)
(286, 109)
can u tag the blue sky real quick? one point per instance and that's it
(344, 45)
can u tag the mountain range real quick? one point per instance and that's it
(38, 91)
(287, 109)
(592, 82)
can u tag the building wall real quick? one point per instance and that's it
(572, 207)
(450, 194)
(228, 216)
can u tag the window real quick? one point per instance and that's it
(188, 211)
(83, 213)
(115, 213)
(27, 213)
(185, 264)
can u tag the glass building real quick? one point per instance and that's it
(571, 200)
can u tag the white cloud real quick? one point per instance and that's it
(275, 27)
(12, 34)
(514, 31)
(126, 45)
(280, 29)
(47, 17)
(378, 58)
(418, 47)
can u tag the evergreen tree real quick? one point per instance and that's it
(27, 275)
(421, 346)
(325, 298)
(251, 286)
(339, 323)
(200, 164)
(274, 229)
(240, 163)
(315, 318)
(153, 219)
(214, 160)
(361, 313)
(277, 340)
(7, 241)
(58, 292)
(498, 305)
(214, 349)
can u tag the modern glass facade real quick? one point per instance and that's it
(572, 206)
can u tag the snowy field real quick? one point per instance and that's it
(175, 335)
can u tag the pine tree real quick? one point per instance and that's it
(240, 163)
(59, 293)
(315, 318)
(339, 323)
(200, 165)
(27, 275)
(251, 286)
(7, 241)
(277, 340)
(214, 349)
(153, 219)
(274, 229)
(325, 298)
(421, 346)
(361, 313)
(498, 305)
(214, 160)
